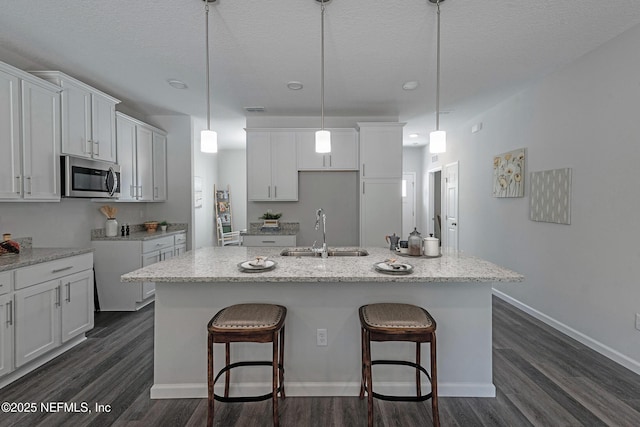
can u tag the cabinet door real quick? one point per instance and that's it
(6, 334)
(259, 166)
(40, 141)
(76, 120)
(37, 328)
(179, 249)
(149, 288)
(344, 150)
(103, 128)
(380, 211)
(77, 304)
(284, 166)
(159, 167)
(126, 148)
(10, 160)
(308, 159)
(144, 151)
(381, 151)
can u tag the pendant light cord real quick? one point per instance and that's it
(206, 17)
(438, 72)
(322, 66)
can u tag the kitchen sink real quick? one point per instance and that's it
(331, 252)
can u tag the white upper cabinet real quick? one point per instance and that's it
(142, 158)
(272, 171)
(380, 150)
(343, 156)
(29, 137)
(88, 118)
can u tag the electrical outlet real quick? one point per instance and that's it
(638, 321)
(321, 337)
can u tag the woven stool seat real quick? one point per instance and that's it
(398, 322)
(258, 323)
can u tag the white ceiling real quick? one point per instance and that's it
(490, 48)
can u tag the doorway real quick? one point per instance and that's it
(434, 224)
(408, 204)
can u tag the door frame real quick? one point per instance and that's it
(431, 219)
(445, 202)
(413, 192)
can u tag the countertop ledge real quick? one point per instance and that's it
(33, 256)
(139, 235)
(220, 264)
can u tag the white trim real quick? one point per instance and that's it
(319, 389)
(593, 344)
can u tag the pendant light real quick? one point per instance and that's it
(323, 137)
(438, 138)
(208, 137)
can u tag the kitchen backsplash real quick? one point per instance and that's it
(137, 228)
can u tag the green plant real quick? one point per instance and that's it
(164, 223)
(270, 215)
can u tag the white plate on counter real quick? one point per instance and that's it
(399, 268)
(250, 267)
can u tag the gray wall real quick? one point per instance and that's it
(335, 192)
(581, 278)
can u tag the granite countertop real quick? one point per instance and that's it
(138, 235)
(31, 256)
(284, 229)
(220, 264)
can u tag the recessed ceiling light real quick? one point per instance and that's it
(293, 85)
(414, 135)
(412, 85)
(178, 84)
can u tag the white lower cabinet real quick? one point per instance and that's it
(6, 333)
(77, 304)
(117, 257)
(266, 240)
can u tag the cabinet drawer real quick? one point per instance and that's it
(269, 241)
(6, 279)
(51, 270)
(156, 244)
(180, 238)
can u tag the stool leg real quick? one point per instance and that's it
(210, 376)
(227, 361)
(434, 382)
(274, 379)
(281, 362)
(418, 387)
(368, 379)
(362, 357)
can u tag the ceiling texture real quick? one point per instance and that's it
(129, 49)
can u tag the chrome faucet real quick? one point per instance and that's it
(323, 250)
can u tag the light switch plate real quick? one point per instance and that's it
(321, 338)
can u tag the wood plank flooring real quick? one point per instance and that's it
(543, 378)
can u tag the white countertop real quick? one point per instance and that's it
(220, 264)
(33, 256)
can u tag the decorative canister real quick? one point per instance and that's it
(415, 243)
(111, 228)
(431, 246)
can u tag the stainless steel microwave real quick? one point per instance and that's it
(89, 178)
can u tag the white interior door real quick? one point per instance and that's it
(451, 207)
(408, 203)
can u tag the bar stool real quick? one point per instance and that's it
(398, 322)
(260, 323)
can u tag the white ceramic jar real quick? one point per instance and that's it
(111, 228)
(431, 246)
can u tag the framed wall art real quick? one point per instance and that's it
(508, 174)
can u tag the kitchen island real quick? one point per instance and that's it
(321, 294)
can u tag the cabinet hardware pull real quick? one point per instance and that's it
(363, 170)
(97, 152)
(330, 160)
(323, 160)
(9, 313)
(58, 270)
(30, 185)
(89, 150)
(68, 291)
(58, 296)
(363, 188)
(268, 241)
(269, 189)
(19, 185)
(275, 191)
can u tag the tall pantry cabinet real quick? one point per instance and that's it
(380, 181)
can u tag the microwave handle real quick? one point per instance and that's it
(111, 173)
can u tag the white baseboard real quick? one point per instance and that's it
(593, 344)
(318, 389)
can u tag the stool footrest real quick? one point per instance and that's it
(400, 398)
(246, 398)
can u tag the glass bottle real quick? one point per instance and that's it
(415, 243)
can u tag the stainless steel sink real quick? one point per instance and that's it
(331, 252)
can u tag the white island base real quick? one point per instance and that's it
(462, 312)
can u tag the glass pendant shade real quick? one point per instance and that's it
(438, 142)
(209, 141)
(323, 141)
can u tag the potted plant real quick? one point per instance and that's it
(270, 219)
(163, 225)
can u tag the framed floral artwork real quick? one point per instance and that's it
(508, 174)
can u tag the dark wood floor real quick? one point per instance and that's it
(543, 378)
